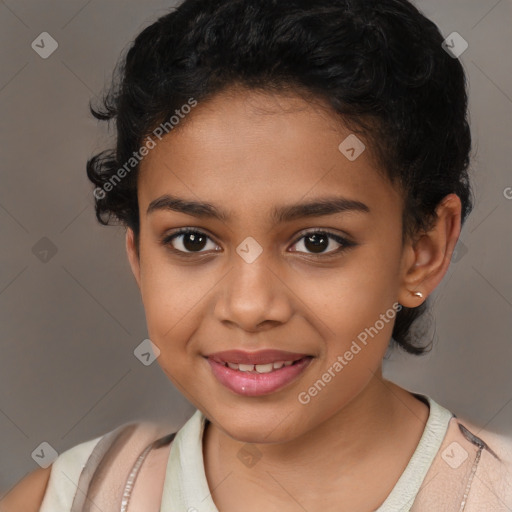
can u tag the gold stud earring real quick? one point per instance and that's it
(418, 294)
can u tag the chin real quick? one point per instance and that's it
(258, 426)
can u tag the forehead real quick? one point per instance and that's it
(249, 151)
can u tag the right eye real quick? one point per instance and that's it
(188, 241)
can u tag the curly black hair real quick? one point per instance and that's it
(379, 65)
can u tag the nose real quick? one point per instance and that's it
(253, 296)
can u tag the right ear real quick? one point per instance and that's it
(133, 257)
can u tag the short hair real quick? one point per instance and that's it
(379, 65)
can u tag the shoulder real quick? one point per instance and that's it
(493, 446)
(47, 485)
(28, 493)
(471, 471)
(76, 467)
(487, 459)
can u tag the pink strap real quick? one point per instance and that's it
(132, 478)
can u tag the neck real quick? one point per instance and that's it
(367, 430)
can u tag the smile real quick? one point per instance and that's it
(258, 379)
(258, 368)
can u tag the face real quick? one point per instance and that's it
(255, 281)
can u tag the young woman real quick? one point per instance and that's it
(293, 177)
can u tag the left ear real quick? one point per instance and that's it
(133, 256)
(426, 260)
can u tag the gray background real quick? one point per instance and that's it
(69, 325)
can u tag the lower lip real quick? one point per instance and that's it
(257, 384)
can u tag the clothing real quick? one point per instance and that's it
(455, 467)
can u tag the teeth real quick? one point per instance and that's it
(264, 368)
(259, 368)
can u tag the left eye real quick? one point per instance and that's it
(193, 241)
(317, 241)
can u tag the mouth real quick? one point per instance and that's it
(261, 357)
(258, 379)
(259, 368)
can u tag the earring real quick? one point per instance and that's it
(418, 294)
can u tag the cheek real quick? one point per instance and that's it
(172, 294)
(354, 345)
(350, 298)
(353, 309)
(168, 305)
(171, 305)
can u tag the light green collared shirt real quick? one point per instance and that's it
(186, 487)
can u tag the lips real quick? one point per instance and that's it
(255, 383)
(260, 357)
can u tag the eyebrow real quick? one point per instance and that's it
(323, 206)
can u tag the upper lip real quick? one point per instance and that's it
(260, 357)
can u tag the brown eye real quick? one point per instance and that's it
(317, 242)
(188, 241)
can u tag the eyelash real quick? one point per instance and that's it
(345, 244)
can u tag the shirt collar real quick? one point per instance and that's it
(186, 487)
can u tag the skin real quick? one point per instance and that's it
(27, 495)
(248, 152)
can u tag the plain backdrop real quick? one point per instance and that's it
(70, 310)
